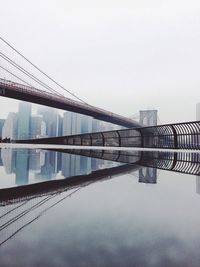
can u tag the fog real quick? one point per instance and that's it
(122, 56)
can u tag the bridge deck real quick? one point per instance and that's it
(30, 94)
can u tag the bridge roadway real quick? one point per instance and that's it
(30, 94)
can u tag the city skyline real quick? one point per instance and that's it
(38, 122)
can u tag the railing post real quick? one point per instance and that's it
(175, 137)
(119, 137)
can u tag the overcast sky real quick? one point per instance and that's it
(123, 56)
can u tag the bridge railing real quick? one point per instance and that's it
(170, 136)
(175, 136)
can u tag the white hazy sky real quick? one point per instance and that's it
(123, 56)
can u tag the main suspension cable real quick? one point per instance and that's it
(25, 58)
(10, 61)
(16, 76)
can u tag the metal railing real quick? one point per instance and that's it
(169, 136)
(176, 136)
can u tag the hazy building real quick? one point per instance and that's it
(8, 156)
(86, 124)
(72, 124)
(95, 125)
(9, 129)
(1, 162)
(22, 167)
(35, 160)
(198, 184)
(37, 127)
(85, 165)
(70, 165)
(60, 125)
(51, 118)
(24, 118)
(76, 123)
(48, 170)
(1, 126)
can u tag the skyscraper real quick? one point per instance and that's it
(24, 117)
(72, 124)
(95, 125)
(37, 127)
(9, 129)
(22, 167)
(1, 126)
(51, 117)
(8, 156)
(1, 162)
(48, 169)
(86, 124)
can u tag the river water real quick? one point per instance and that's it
(62, 209)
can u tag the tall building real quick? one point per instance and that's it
(51, 117)
(35, 160)
(22, 167)
(24, 118)
(8, 156)
(1, 126)
(1, 162)
(9, 129)
(95, 125)
(60, 125)
(37, 127)
(86, 124)
(48, 169)
(74, 123)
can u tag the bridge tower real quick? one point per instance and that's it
(149, 117)
(146, 174)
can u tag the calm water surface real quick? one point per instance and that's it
(113, 220)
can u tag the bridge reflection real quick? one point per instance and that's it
(26, 204)
(23, 205)
(20, 193)
(188, 163)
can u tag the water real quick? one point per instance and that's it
(96, 213)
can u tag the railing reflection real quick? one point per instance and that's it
(184, 162)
